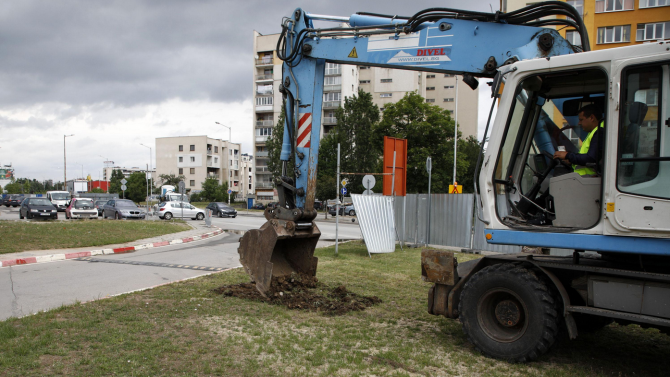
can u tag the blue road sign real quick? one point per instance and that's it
(230, 191)
(344, 191)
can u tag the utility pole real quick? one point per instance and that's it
(65, 163)
(151, 166)
(455, 128)
(230, 139)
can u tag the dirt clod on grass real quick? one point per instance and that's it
(302, 292)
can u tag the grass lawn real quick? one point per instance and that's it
(186, 329)
(18, 236)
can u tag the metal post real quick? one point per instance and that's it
(430, 170)
(455, 128)
(337, 202)
(404, 212)
(65, 164)
(147, 199)
(393, 177)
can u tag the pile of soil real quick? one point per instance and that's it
(302, 292)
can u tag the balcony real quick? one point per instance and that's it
(263, 77)
(262, 154)
(264, 61)
(215, 176)
(331, 104)
(329, 120)
(263, 170)
(209, 151)
(264, 185)
(332, 88)
(261, 139)
(265, 123)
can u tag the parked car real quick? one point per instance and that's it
(222, 210)
(99, 204)
(350, 210)
(272, 205)
(258, 206)
(168, 210)
(15, 200)
(81, 208)
(343, 209)
(37, 207)
(5, 201)
(318, 205)
(122, 209)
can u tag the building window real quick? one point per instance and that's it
(181, 171)
(614, 34)
(266, 131)
(448, 87)
(573, 37)
(448, 100)
(216, 149)
(614, 5)
(181, 148)
(654, 3)
(430, 76)
(430, 100)
(192, 159)
(332, 80)
(181, 159)
(579, 6)
(192, 148)
(385, 95)
(430, 88)
(653, 32)
(249, 170)
(192, 183)
(363, 67)
(448, 75)
(192, 171)
(386, 80)
(333, 69)
(216, 160)
(332, 97)
(363, 81)
(647, 96)
(263, 101)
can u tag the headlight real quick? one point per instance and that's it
(124, 212)
(34, 210)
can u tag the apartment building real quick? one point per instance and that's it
(107, 171)
(198, 158)
(246, 176)
(340, 81)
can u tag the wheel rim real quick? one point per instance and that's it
(168, 216)
(199, 216)
(502, 315)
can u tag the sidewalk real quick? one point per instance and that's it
(199, 231)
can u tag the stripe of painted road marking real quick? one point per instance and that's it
(123, 249)
(162, 243)
(77, 255)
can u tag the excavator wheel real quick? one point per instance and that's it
(278, 249)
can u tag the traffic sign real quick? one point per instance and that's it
(369, 181)
(182, 187)
(344, 182)
(123, 187)
(230, 191)
(458, 189)
(429, 164)
(124, 181)
(368, 192)
(344, 191)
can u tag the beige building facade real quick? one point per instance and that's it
(198, 158)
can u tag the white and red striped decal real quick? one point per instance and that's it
(304, 129)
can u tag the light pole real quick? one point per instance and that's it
(230, 139)
(65, 163)
(151, 166)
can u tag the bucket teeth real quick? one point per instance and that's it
(278, 249)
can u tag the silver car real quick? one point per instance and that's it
(168, 210)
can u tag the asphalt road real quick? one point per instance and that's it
(31, 288)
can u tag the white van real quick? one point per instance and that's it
(60, 199)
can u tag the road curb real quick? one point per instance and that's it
(118, 250)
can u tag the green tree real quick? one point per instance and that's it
(115, 182)
(468, 150)
(97, 190)
(429, 131)
(171, 179)
(14, 187)
(137, 187)
(213, 191)
(274, 145)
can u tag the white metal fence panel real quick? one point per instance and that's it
(451, 220)
(377, 221)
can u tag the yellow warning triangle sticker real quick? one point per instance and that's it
(353, 54)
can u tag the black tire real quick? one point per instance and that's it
(167, 216)
(117, 216)
(352, 212)
(509, 313)
(199, 216)
(590, 323)
(20, 215)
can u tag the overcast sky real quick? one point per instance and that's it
(120, 73)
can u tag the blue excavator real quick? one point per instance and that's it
(598, 234)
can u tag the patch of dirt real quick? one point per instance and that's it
(302, 292)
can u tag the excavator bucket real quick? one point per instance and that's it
(278, 249)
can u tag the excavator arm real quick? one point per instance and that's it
(443, 40)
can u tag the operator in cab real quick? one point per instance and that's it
(591, 149)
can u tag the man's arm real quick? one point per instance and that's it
(592, 155)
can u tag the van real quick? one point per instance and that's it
(60, 199)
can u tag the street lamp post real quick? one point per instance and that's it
(230, 139)
(151, 166)
(65, 162)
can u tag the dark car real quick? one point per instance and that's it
(258, 206)
(222, 210)
(318, 205)
(15, 200)
(5, 201)
(122, 209)
(272, 205)
(331, 209)
(99, 204)
(37, 208)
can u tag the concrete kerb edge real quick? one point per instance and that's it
(119, 250)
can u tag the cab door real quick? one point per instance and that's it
(641, 197)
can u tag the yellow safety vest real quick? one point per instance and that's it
(583, 170)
